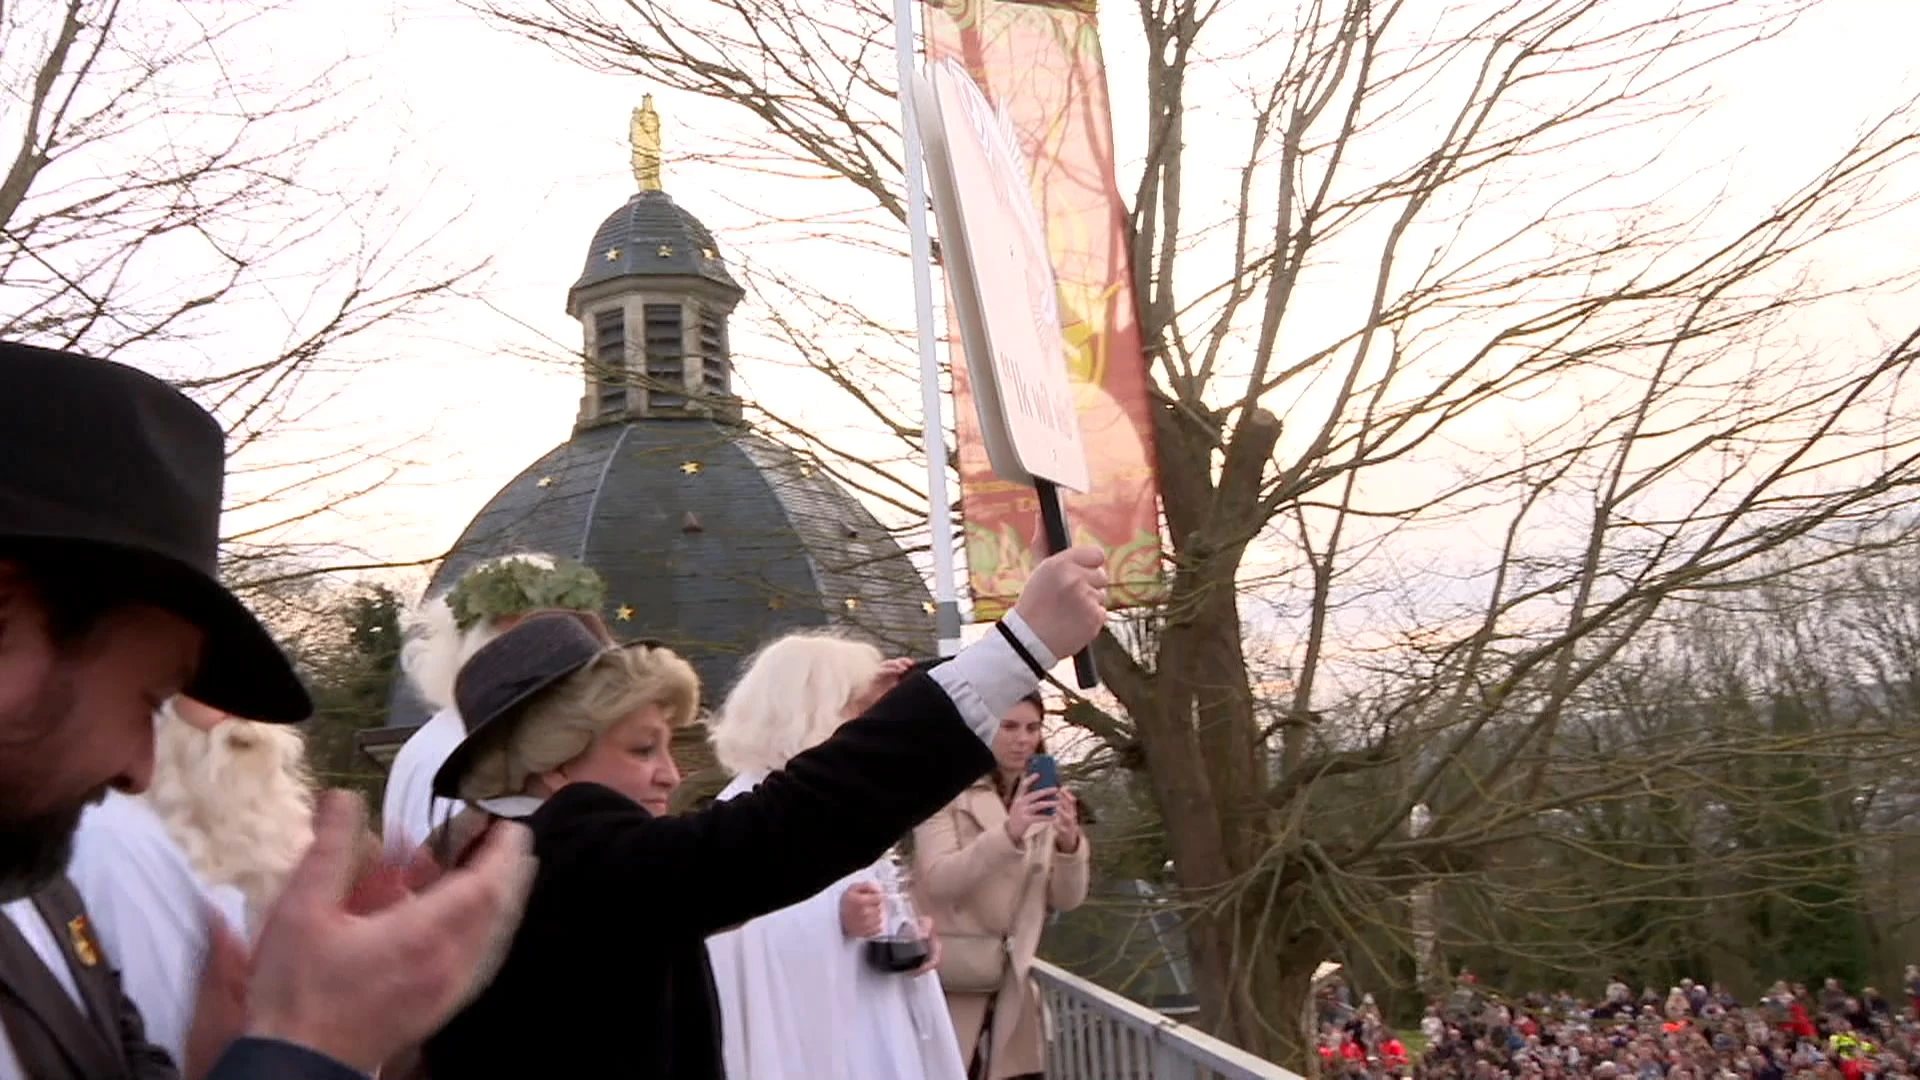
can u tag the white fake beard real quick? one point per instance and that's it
(238, 800)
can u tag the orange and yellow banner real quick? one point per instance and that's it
(1040, 62)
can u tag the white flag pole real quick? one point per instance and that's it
(939, 503)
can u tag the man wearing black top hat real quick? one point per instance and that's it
(110, 495)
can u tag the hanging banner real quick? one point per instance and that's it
(1040, 63)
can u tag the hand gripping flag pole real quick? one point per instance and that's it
(998, 267)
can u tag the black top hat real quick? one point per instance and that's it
(104, 461)
(506, 673)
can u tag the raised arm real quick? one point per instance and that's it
(837, 807)
(832, 810)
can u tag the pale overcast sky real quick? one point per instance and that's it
(535, 148)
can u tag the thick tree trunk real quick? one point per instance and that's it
(1288, 1010)
(1261, 994)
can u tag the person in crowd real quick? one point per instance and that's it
(1431, 1026)
(1833, 997)
(989, 868)
(1393, 1052)
(182, 873)
(110, 604)
(798, 996)
(574, 737)
(441, 634)
(1725, 1041)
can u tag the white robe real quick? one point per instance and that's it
(409, 811)
(150, 910)
(799, 1002)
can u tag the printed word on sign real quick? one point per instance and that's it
(1002, 279)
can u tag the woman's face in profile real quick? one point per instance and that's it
(1018, 738)
(634, 757)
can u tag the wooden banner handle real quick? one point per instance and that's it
(1053, 517)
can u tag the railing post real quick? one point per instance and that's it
(1167, 1062)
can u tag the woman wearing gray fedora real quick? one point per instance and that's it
(608, 975)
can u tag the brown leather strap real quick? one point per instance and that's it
(93, 970)
(50, 1035)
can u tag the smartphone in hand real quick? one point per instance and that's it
(1045, 772)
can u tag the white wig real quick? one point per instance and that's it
(237, 799)
(793, 696)
(436, 647)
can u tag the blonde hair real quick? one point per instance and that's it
(793, 696)
(436, 648)
(562, 721)
(237, 798)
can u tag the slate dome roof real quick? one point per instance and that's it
(710, 538)
(651, 236)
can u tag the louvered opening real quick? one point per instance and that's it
(609, 359)
(717, 372)
(666, 356)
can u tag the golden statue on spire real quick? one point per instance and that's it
(645, 136)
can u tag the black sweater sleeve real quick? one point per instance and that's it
(270, 1059)
(831, 811)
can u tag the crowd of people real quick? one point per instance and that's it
(1694, 1031)
(863, 901)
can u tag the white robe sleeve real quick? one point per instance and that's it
(408, 811)
(785, 987)
(798, 1001)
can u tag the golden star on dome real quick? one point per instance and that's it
(926, 606)
(545, 481)
(666, 251)
(852, 602)
(624, 613)
(776, 603)
(613, 254)
(690, 467)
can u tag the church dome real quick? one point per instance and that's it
(652, 237)
(711, 539)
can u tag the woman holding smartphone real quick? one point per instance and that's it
(988, 868)
(608, 973)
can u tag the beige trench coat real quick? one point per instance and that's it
(967, 875)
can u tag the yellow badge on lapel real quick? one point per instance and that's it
(80, 932)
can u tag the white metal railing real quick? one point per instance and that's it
(1096, 1034)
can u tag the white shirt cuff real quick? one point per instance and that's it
(988, 678)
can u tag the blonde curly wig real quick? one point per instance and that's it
(561, 722)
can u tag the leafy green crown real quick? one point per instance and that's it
(514, 587)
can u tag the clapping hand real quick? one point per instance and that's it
(360, 983)
(220, 1007)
